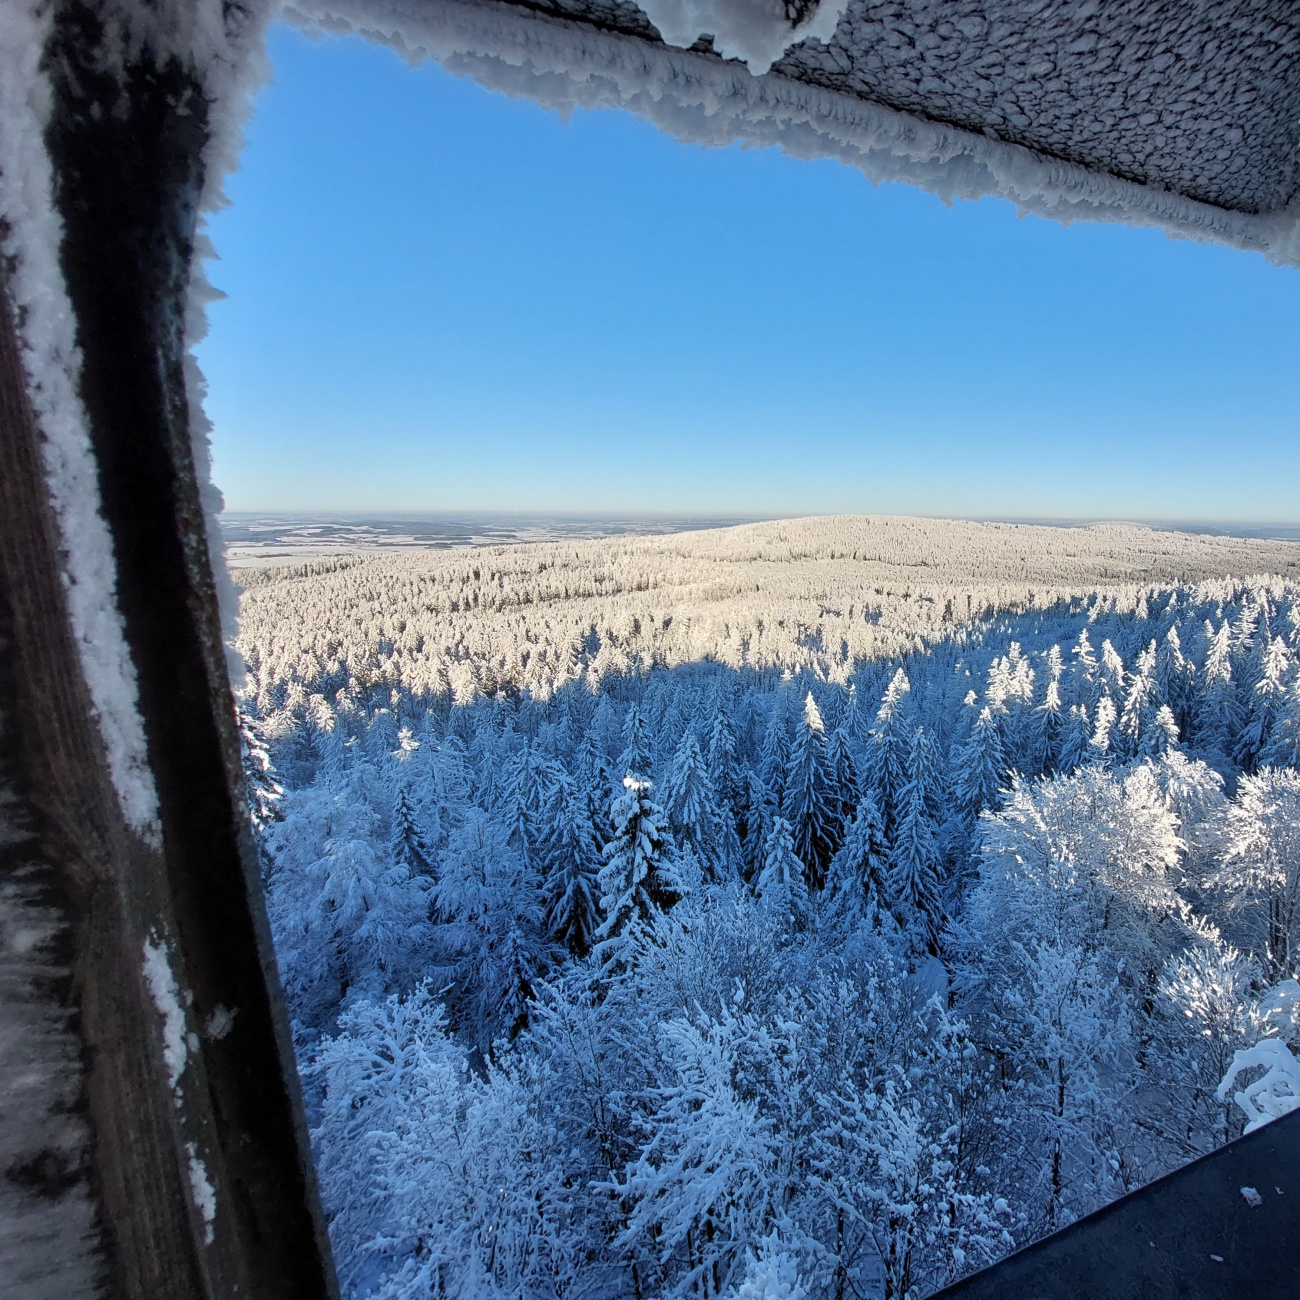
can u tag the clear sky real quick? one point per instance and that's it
(443, 299)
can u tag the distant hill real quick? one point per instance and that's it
(816, 593)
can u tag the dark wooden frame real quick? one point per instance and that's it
(129, 174)
(128, 186)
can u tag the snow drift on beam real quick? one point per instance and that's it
(701, 99)
(32, 234)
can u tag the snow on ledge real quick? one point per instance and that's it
(701, 99)
(755, 31)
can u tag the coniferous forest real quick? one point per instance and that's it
(800, 931)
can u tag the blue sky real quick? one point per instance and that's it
(443, 299)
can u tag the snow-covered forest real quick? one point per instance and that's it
(770, 912)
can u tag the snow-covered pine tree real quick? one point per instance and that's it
(811, 804)
(914, 857)
(637, 879)
(1267, 700)
(1218, 709)
(859, 871)
(691, 806)
(570, 892)
(781, 883)
(263, 792)
(636, 759)
(407, 839)
(886, 761)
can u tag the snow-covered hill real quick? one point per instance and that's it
(808, 593)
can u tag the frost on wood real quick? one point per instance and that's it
(1275, 1093)
(757, 32)
(821, 112)
(48, 1239)
(201, 1189)
(232, 65)
(166, 998)
(33, 233)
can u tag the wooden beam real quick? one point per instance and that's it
(128, 175)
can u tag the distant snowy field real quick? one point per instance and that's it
(268, 538)
(255, 539)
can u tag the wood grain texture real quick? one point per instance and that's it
(126, 187)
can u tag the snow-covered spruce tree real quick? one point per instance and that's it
(782, 882)
(1161, 734)
(594, 780)
(637, 758)
(1267, 702)
(859, 871)
(346, 917)
(407, 840)
(1283, 746)
(263, 792)
(1043, 731)
(1101, 743)
(729, 782)
(1175, 679)
(914, 857)
(1076, 739)
(886, 761)
(774, 757)
(979, 769)
(761, 808)
(692, 809)
(1140, 703)
(637, 880)
(811, 803)
(1218, 709)
(493, 943)
(571, 890)
(530, 791)
(843, 766)
(1261, 871)
(1114, 677)
(1086, 685)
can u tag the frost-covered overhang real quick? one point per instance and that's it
(1182, 115)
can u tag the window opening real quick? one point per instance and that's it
(808, 906)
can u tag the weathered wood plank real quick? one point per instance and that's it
(198, 1151)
